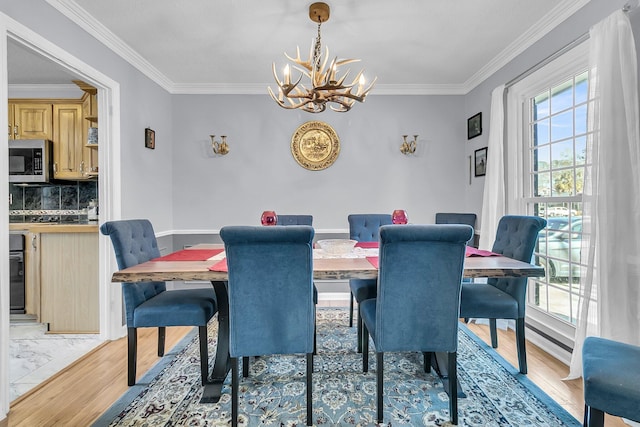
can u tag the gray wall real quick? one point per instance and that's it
(370, 174)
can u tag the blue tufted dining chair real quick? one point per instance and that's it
(611, 374)
(149, 304)
(274, 319)
(457, 218)
(418, 299)
(295, 220)
(364, 228)
(505, 298)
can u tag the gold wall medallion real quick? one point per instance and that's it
(315, 145)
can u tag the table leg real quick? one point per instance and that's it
(222, 363)
(439, 364)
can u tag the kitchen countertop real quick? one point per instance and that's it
(53, 227)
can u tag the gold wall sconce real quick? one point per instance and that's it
(408, 147)
(221, 148)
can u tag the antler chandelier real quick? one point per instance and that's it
(326, 86)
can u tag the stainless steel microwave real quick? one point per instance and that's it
(30, 160)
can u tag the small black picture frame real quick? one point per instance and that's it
(150, 138)
(474, 126)
(480, 156)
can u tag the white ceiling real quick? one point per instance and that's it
(228, 46)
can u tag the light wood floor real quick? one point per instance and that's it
(80, 393)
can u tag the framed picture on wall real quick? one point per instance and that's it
(150, 138)
(474, 126)
(481, 161)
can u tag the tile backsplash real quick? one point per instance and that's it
(59, 202)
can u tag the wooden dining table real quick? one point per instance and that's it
(324, 268)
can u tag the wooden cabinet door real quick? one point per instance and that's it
(69, 282)
(31, 120)
(10, 122)
(90, 114)
(68, 142)
(32, 273)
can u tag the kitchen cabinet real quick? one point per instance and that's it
(62, 282)
(68, 142)
(30, 120)
(32, 273)
(90, 114)
(69, 296)
(66, 122)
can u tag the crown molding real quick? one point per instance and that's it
(418, 89)
(544, 26)
(551, 20)
(78, 15)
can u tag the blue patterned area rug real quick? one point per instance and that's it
(274, 392)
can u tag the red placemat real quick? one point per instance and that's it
(190, 255)
(373, 260)
(220, 266)
(367, 245)
(470, 251)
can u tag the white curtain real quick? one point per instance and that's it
(493, 201)
(610, 305)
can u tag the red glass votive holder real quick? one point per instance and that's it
(269, 218)
(399, 216)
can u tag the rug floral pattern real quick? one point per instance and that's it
(274, 392)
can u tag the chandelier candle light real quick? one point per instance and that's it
(326, 86)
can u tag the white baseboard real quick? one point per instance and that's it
(334, 296)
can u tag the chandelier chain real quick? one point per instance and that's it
(318, 49)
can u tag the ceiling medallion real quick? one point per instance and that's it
(325, 84)
(315, 145)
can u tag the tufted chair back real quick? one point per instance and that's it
(365, 227)
(420, 266)
(134, 242)
(271, 309)
(295, 220)
(516, 238)
(278, 318)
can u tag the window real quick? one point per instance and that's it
(556, 144)
(548, 136)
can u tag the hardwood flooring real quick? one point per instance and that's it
(79, 394)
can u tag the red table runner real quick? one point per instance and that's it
(190, 255)
(220, 266)
(367, 245)
(471, 251)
